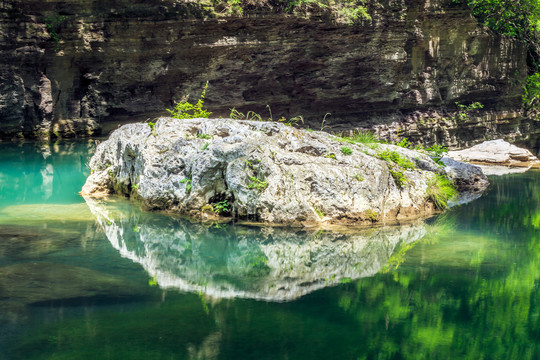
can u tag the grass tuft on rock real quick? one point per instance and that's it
(440, 190)
(396, 158)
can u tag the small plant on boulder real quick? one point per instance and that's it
(440, 190)
(186, 110)
(221, 207)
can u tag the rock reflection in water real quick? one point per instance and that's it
(277, 264)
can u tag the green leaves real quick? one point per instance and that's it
(187, 110)
(53, 25)
(440, 190)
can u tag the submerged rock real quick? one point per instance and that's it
(264, 171)
(496, 152)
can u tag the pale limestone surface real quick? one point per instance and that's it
(303, 177)
(496, 152)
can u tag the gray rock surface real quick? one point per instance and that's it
(266, 171)
(496, 152)
(467, 177)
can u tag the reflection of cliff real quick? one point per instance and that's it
(237, 261)
(44, 173)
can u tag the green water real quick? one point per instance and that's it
(102, 280)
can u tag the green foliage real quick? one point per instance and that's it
(361, 137)
(531, 96)
(440, 190)
(349, 12)
(294, 121)
(229, 7)
(396, 158)
(465, 110)
(250, 115)
(353, 11)
(152, 126)
(346, 151)
(185, 110)
(344, 11)
(330, 156)
(436, 150)
(207, 209)
(251, 164)
(404, 143)
(253, 116)
(359, 177)
(399, 177)
(152, 281)
(323, 123)
(186, 181)
(319, 212)
(53, 25)
(221, 207)
(205, 146)
(519, 19)
(397, 164)
(371, 215)
(204, 136)
(256, 183)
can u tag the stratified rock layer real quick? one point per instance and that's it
(264, 171)
(401, 71)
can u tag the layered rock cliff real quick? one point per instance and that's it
(403, 70)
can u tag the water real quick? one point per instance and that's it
(102, 280)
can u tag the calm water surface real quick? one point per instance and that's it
(102, 280)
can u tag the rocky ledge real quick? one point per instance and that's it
(497, 152)
(497, 157)
(268, 172)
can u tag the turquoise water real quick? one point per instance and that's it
(102, 280)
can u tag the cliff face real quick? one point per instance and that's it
(403, 70)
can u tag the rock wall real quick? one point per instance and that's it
(124, 59)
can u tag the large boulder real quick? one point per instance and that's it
(496, 152)
(263, 171)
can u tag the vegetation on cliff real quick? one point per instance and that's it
(521, 20)
(341, 11)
